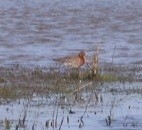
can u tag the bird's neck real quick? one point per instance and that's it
(83, 59)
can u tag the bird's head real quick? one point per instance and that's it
(82, 55)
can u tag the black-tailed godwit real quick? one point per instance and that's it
(73, 61)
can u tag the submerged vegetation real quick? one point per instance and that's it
(20, 81)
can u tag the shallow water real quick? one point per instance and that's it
(35, 32)
(125, 109)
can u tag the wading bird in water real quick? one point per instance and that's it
(73, 61)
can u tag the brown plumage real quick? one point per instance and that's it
(73, 61)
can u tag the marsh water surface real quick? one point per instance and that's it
(35, 32)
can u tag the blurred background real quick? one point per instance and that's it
(34, 32)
